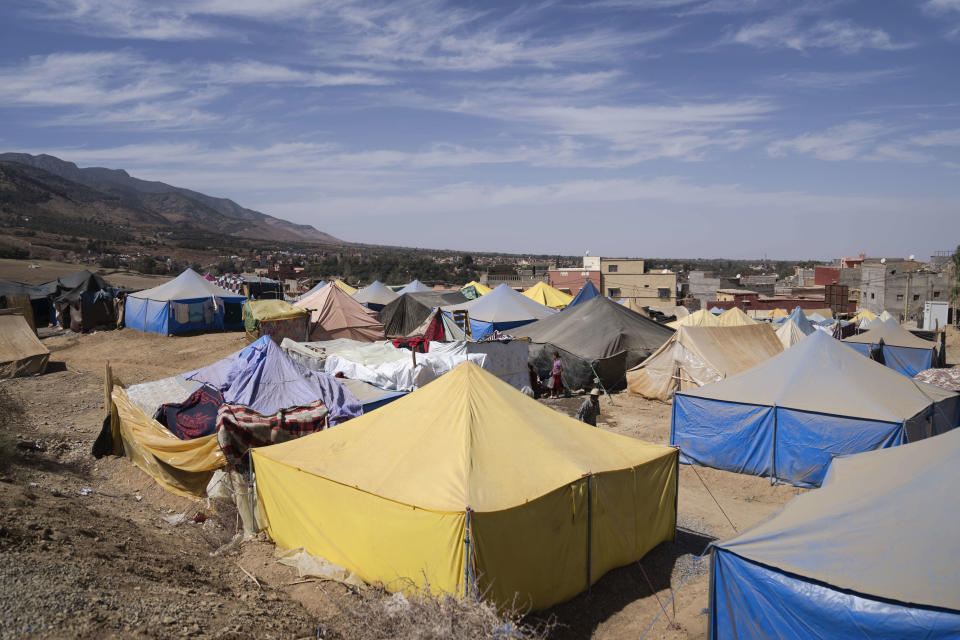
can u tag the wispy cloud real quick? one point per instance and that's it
(255, 72)
(790, 32)
(836, 79)
(843, 142)
(130, 19)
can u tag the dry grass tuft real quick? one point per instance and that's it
(373, 614)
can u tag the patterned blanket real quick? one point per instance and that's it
(240, 428)
(195, 417)
(944, 378)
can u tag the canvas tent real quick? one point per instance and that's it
(343, 286)
(469, 486)
(414, 287)
(548, 296)
(786, 418)
(83, 301)
(864, 317)
(794, 329)
(696, 356)
(189, 302)
(597, 336)
(275, 318)
(21, 352)
(699, 318)
(375, 296)
(734, 317)
(902, 351)
(334, 314)
(259, 376)
(587, 292)
(502, 309)
(439, 327)
(868, 555)
(402, 316)
(312, 290)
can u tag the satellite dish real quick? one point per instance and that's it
(911, 256)
(883, 261)
(587, 252)
(738, 276)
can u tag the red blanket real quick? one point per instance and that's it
(240, 428)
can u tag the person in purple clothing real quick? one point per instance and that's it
(556, 376)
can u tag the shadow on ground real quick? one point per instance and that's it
(577, 619)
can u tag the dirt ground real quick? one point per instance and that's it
(40, 271)
(85, 552)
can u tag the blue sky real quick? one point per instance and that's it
(736, 128)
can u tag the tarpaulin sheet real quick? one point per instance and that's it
(334, 314)
(826, 401)
(405, 314)
(594, 333)
(883, 528)
(386, 495)
(262, 377)
(587, 292)
(21, 352)
(500, 310)
(548, 296)
(751, 601)
(506, 359)
(902, 351)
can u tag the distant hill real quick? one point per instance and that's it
(54, 186)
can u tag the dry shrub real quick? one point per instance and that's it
(373, 614)
(11, 414)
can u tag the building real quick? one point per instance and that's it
(626, 278)
(516, 276)
(901, 287)
(572, 280)
(703, 286)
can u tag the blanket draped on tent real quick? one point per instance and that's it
(195, 417)
(240, 429)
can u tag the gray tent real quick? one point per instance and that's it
(598, 335)
(406, 313)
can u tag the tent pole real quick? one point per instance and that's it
(468, 578)
(597, 378)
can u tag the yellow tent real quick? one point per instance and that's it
(548, 296)
(735, 317)
(481, 289)
(864, 314)
(468, 483)
(701, 318)
(275, 318)
(779, 313)
(343, 286)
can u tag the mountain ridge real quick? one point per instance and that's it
(159, 203)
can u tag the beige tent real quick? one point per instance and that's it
(695, 356)
(701, 318)
(735, 317)
(334, 314)
(21, 352)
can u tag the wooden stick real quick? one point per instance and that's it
(250, 575)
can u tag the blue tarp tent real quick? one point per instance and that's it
(189, 302)
(716, 311)
(902, 351)
(500, 310)
(871, 554)
(264, 378)
(786, 418)
(587, 292)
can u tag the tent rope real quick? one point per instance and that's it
(696, 562)
(626, 540)
(694, 467)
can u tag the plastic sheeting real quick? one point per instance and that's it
(262, 377)
(866, 556)
(395, 495)
(789, 416)
(402, 375)
(21, 352)
(599, 335)
(695, 356)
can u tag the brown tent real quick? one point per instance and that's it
(21, 352)
(334, 314)
(695, 356)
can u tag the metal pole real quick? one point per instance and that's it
(600, 384)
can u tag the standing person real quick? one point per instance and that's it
(556, 376)
(590, 408)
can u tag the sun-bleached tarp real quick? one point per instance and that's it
(866, 555)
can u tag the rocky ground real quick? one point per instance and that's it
(86, 551)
